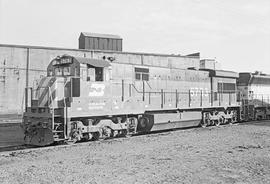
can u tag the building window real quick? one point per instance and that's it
(145, 77)
(142, 74)
(137, 76)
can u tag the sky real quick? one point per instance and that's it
(235, 32)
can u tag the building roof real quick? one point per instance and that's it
(97, 35)
(88, 50)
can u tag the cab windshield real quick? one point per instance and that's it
(61, 71)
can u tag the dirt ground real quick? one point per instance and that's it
(224, 154)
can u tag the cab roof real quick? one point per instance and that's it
(84, 60)
(92, 62)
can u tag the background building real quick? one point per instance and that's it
(23, 66)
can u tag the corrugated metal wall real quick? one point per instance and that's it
(15, 59)
(13, 73)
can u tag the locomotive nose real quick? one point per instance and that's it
(51, 91)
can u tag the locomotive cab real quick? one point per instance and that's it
(92, 73)
(65, 77)
(84, 68)
(77, 70)
(46, 107)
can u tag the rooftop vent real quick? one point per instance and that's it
(95, 41)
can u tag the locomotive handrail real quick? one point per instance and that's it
(148, 84)
(216, 96)
(26, 97)
(50, 96)
(64, 94)
(181, 92)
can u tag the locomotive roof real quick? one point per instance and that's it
(84, 60)
(222, 73)
(260, 80)
(93, 62)
(247, 78)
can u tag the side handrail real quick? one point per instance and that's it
(25, 99)
(148, 84)
(64, 94)
(52, 106)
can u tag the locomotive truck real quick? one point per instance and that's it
(86, 99)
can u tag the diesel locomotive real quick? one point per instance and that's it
(254, 89)
(87, 98)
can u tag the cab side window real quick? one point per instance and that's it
(84, 74)
(66, 71)
(99, 74)
(58, 71)
(90, 74)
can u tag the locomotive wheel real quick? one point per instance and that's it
(217, 122)
(205, 120)
(143, 122)
(107, 132)
(221, 121)
(95, 136)
(204, 123)
(72, 141)
(74, 137)
(123, 133)
(87, 136)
